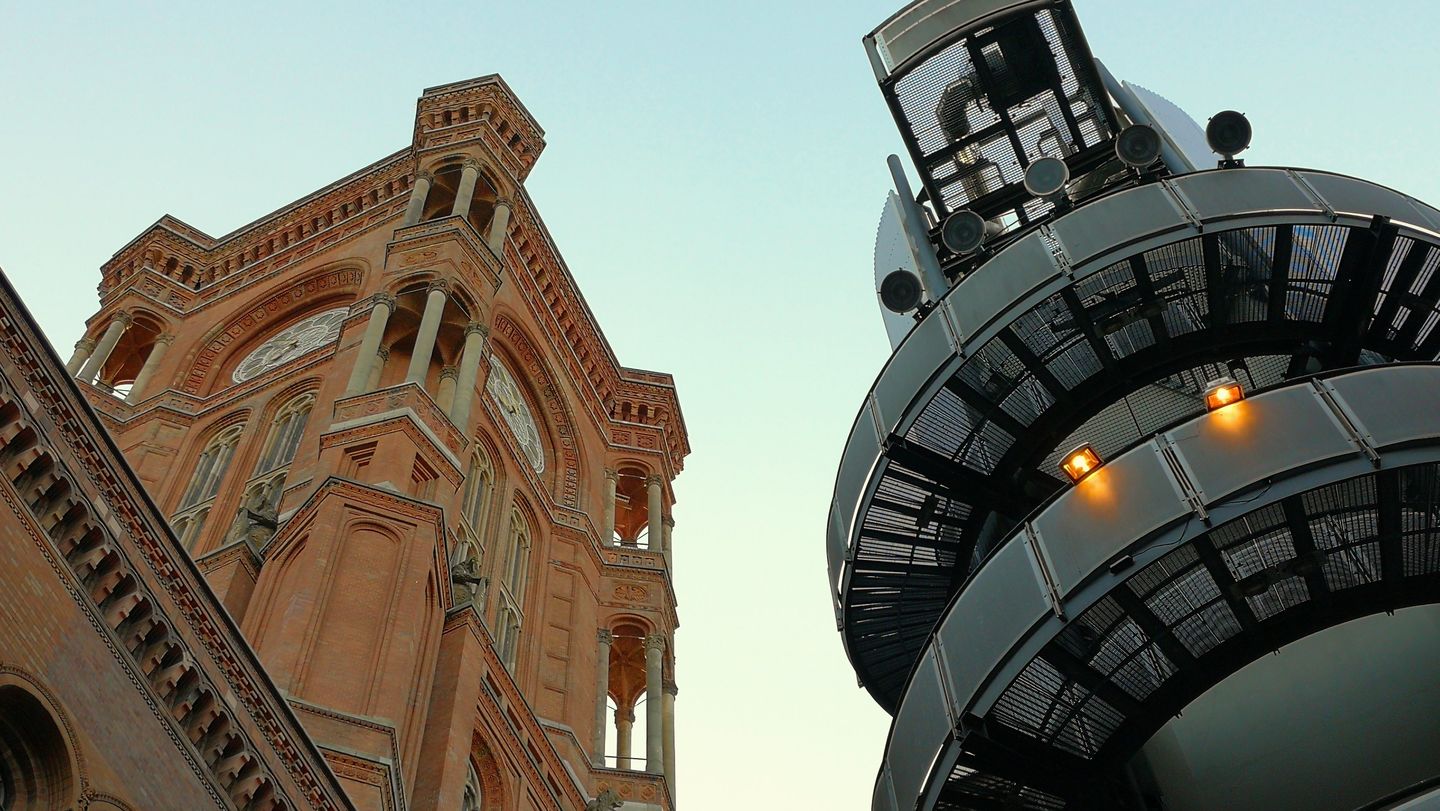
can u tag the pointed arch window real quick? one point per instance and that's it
(474, 797)
(285, 433)
(512, 591)
(479, 484)
(205, 483)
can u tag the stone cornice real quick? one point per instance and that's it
(534, 251)
(468, 620)
(124, 516)
(383, 187)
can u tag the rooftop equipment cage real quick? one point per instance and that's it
(981, 90)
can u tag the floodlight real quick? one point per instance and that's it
(1046, 177)
(1138, 146)
(1222, 392)
(1228, 133)
(965, 231)
(1080, 462)
(901, 291)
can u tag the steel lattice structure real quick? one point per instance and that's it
(1030, 635)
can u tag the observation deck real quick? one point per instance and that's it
(1104, 327)
(1030, 634)
(1174, 565)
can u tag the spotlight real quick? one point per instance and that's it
(1138, 146)
(900, 291)
(1222, 392)
(1046, 177)
(1080, 462)
(965, 231)
(1228, 133)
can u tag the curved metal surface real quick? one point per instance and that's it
(1170, 567)
(1083, 328)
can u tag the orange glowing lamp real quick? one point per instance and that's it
(1080, 462)
(1222, 392)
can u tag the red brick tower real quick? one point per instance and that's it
(388, 429)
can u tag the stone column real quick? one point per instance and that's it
(147, 371)
(469, 174)
(118, 324)
(425, 338)
(445, 398)
(624, 722)
(602, 691)
(495, 237)
(368, 354)
(470, 357)
(607, 528)
(83, 348)
(655, 513)
(382, 356)
(416, 208)
(670, 691)
(665, 542)
(654, 704)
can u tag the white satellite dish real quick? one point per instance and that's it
(892, 253)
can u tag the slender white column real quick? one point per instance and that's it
(416, 207)
(445, 397)
(425, 338)
(607, 529)
(495, 237)
(377, 368)
(670, 691)
(654, 704)
(602, 691)
(118, 324)
(655, 513)
(469, 174)
(470, 357)
(147, 371)
(665, 542)
(624, 722)
(83, 348)
(366, 357)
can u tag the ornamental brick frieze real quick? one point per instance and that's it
(91, 557)
(641, 558)
(448, 243)
(551, 294)
(64, 488)
(631, 593)
(257, 318)
(150, 287)
(538, 374)
(633, 787)
(382, 775)
(350, 207)
(407, 399)
(367, 772)
(258, 272)
(483, 109)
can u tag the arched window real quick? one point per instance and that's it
(285, 432)
(474, 798)
(35, 772)
(478, 485)
(512, 591)
(205, 483)
(267, 482)
(519, 558)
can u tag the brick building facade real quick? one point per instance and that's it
(386, 429)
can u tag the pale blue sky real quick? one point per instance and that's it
(714, 176)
